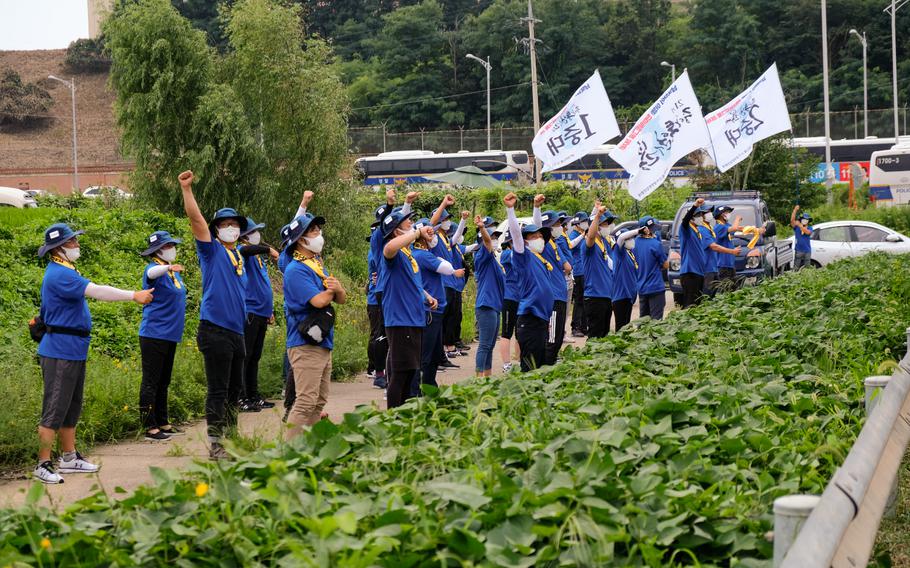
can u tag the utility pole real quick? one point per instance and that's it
(829, 170)
(532, 43)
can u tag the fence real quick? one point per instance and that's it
(367, 141)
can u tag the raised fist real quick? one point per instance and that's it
(510, 199)
(539, 199)
(186, 179)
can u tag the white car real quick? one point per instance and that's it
(841, 239)
(96, 191)
(14, 197)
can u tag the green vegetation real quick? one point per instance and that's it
(662, 445)
(86, 55)
(22, 105)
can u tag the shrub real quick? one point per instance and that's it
(87, 55)
(22, 104)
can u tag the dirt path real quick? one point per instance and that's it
(126, 464)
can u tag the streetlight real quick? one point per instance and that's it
(892, 9)
(862, 40)
(488, 67)
(71, 85)
(672, 68)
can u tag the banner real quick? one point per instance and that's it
(672, 128)
(586, 122)
(755, 114)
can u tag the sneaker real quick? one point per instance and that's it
(506, 367)
(172, 431)
(448, 364)
(577, 333)
(78, 465)
(158, 436)
(379, 382)
(462, 346)
(45, 473)
(263, 403)
(249, 406)
(218, 453)
(456, 353)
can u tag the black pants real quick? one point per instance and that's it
(692, 285)
(253, 339)
(378, 347)
(726, 279)
(597, 315)
(431, 344)
(290, 387)
(578, 305)
(652, 305)
(405, 349)
(710, 284)
(157, 366)
(559, 309)
(223, 352)
(622, 312)
(451, 318)
(531, 333)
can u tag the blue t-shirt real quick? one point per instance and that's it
(403, 298)
(511, 290)
(301, 284)
(536, 294)
(578, 257)
(651, 257)
(164, 316)
(692, 251)
(373, 261)
(708, 238)
(625, 274)
(724, 239)
(259, 300)
(557, 277)
(598, 276)
(63, 304)
(432, 280)
(453, 253)
(803, 242)
(223, 290)
(491, 279)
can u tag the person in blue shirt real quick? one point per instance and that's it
(724, 230)
(402, 305)
(309, 292)
(579, 225)
(652, 261)
(63, 349)
(560, 259)
(449, 239)
(598, 260)
(160, 332)
(510, 297)
(432, 271)
(535, 303)
(222, 313)
(802, 233)
(693, 250)
(491, 279)
(259, 312)
(625, 277)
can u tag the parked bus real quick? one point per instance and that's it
(599, 165)
(411, 166)
(845, 152)
(889, 177)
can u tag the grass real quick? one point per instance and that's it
(892, 546)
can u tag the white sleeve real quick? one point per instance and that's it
(471, 248)
(406, 208)
(610, 262)
(445, 268)
(458, 237)
(107, 293)
(578, 239)
(157, 272)
(625, 237)
(300, 211)
(518, 243)
(537, 216)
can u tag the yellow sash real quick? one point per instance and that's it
(315, 264)
(170, 273)
(236, 261)
(65, 263)
(543, 260)
(407, 253)
(632, 256)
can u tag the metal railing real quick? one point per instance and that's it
(842, 526)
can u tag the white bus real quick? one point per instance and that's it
(889, 175)
(411, 166)
(845, 152)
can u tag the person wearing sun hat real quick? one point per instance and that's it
(490, 277)
(560, 258)
(309, 292)
(222, 313)
(64, 332)
(160, 332)
(579, 225)
(802, 231)
(625, 276)
(598, 258)
(652, 261)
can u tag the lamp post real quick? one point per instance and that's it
(71, 85)
(862, 40)
(488, 67)
(672, 67)
(892, 9)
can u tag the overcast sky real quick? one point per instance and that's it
(42, 24)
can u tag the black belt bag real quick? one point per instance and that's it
(37, 329)
(315, 328)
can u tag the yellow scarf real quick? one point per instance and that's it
(555, 250)
(600, 244)
(543, 260)
(65, 263)
(170, 273)
(237, 261)
(632, 256)
(407, 253)
(695, 228)
(710, 229)
(315, 264)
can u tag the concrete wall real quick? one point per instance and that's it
(97, 9)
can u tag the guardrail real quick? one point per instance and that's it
(842, 526)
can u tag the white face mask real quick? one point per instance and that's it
(435, 241)
(630, 244)
(254, 238)
(71, 254)
(709, 217)
(805, 222)
(557, 231)
(446, 225)
(168, 255)
(584, 227)
(604, 232)
(228, 234)
(314, 244)
(536, 245)
(610, 227)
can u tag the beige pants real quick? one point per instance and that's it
(312, 367)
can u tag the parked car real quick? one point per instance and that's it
(841, 239)
(768, 258)
(14, 197)
(96, 191)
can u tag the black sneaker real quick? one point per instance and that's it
(462, 346)
(249, 406)
(173, 431)
(218, 453)
(449, 364)
(158, 436)
(263, 403)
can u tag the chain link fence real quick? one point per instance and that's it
(373, 140)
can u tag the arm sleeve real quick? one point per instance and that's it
(625, 237)
(578, 239)
(537, 216)
(405, 209)
(156, 272)
(518, 243)
(300, 211)
(471, 248)
(252, 250)
(107, 293)
(688, 216)
(610, 261)
(458, 237)
(445, 268)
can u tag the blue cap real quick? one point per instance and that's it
(157, 240)
(704, 209)
(298, 227)
(647, 221)
(56, 235)
(489, 222)
(721, 209)
(529, 228)
(228, 213)
(283, 233)
(607, 217)
(251, 227)
(445, 215)
(581, 217)
(549, 218)
(805, 216)
(423, 222)
(392, 220)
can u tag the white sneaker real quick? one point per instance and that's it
(506, 367)
(77, 465)
(45, 473)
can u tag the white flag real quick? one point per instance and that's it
(672, 128)
(587, 121)
(755, 114)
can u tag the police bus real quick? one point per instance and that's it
(412, 166)
(598, 165)
(845, 152)
(889, 175)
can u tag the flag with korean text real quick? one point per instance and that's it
(755, 114)
(586, 122)
(667, 132)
